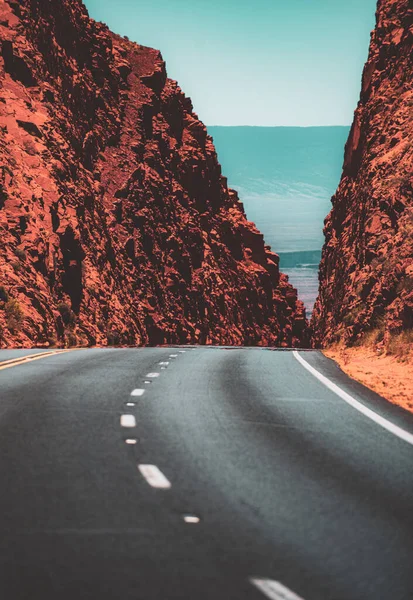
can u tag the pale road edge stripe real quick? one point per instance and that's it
(154, 477)
(15, 362)
(274, 589)
(391, 427)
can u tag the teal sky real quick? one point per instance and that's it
(255, 62)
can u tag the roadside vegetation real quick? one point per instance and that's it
(13, 315)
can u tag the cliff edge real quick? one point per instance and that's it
(366, 272)
(116, 224)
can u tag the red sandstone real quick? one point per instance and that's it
(116, 225)
(366, 273)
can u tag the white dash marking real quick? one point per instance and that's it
(154, 476)
(173, 356)
(181, 351)
(164, 363)
(137, 392)
(152, 375)
(191, 519)
(131, 404)
(274, 589)
(394, 429)
(128, 421)
(131, 441)
(147, 381)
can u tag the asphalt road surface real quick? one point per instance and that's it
(230, 474)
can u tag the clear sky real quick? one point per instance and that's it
(255, 62)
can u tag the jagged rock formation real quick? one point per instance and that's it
(366, 273)
(116, 225)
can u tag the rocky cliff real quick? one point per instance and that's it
(366, 273)
(116, 225)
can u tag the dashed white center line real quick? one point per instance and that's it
(181, 351)
(173, 356)
(152, 375)
(274, 589)
(164, 363)
(131, 441)
(130, 403)
(154, 476)
(191, 519)
(137, 392)
(128, 421)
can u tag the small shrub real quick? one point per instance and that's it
(400, 345)
(68, 316)
(4, 295)
(352, 315)
(14, 315)
(16, 266)
(20, 253)
(113, 338)
(71, 339)
(372, 338)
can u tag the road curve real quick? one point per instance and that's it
(178, 473)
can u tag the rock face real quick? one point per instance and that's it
(116, 225)
(366, 273)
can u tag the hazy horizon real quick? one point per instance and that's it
(285, 177)
(281, 126)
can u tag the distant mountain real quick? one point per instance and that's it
(286, 177)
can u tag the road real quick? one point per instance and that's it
(258, 473)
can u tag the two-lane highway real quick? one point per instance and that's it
(200, 473)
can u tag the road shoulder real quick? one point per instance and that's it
(384, 374)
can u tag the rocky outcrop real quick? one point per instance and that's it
(366, 273)
(116, 225)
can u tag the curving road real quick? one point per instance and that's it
(229, 474)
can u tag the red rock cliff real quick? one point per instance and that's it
(116, 225)
(366, 273)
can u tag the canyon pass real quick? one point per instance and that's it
(116, 224)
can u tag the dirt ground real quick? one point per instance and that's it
(384, 374)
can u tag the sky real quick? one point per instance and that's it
(255, 62)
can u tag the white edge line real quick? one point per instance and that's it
(274, 589)
(154, 476)
(394, 429)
